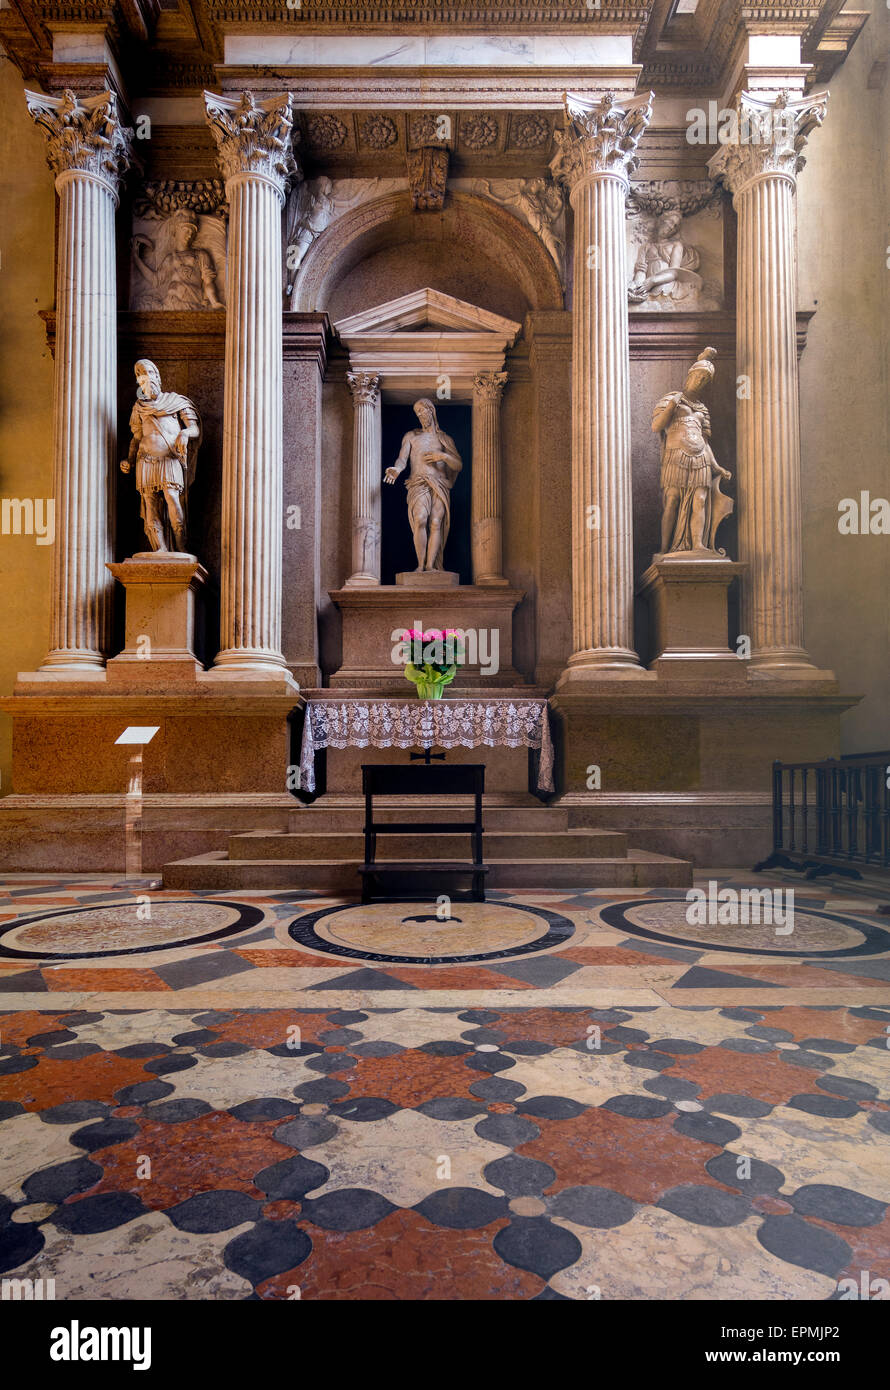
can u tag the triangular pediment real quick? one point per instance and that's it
(426, 311)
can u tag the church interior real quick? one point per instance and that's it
(445, 696)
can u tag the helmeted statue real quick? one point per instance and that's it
(435, 464)
(166, 431)
(693, 505)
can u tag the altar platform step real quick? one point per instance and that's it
(343, 816)
(636, 869)
(499, 844)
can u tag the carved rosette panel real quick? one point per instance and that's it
(479, 130)
(600, 137)
(253, 137)
(771, 138)
(83, 134)
(427, 177)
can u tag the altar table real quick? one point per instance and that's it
(353, 723)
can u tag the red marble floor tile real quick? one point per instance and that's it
(800, 976)
(612, 955)
(771, 1206)
(838, 1023)
(404, 1258)
(409, 1078)
(212, 1151)
(18, 1027)
(762, 1074)
(555, 1026)
(104, 981)
(55, 1080)
(640, 1158)
(870, 1246)
(282, 956)
(269, 1027)
(453, 977)
(282, 1210)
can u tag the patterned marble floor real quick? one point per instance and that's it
(612, 1104)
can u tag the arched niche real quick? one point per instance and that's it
(473, 250)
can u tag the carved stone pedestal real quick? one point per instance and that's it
(371, 616)
(160, 623)
(688, 603)
(428, 579)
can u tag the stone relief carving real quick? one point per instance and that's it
(478, 131)
(530, 131)
(314, 205)
(692, 504)
(541, 205)
(166, 430)
(325, 132)
(379, 131)
(435, 464)
(666, 266)
(427, 177)
(178, 261)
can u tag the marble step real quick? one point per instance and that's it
(497, 844)
(351, 816)
(636, 869)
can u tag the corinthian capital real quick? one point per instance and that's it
(767, 137)
(489, 386)
(365, 387)
(82, 133)
(253, 137)
(600, 137)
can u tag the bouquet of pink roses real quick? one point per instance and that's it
(436, 656)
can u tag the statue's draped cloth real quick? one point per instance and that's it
(154, 473)
(428, 483)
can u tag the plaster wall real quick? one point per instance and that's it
(843, 239)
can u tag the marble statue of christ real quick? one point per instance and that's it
(435, 464)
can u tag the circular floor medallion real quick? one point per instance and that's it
(411, 933)
(814, 934)
(125, 928)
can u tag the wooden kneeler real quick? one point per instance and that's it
(391, 878)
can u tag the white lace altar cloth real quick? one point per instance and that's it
(426, 724)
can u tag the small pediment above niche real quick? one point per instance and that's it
(414, 341)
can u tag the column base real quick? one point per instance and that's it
(602, 664)
(242, 666)
(362, 581)
(785, 664)
(492, 580)
(58, 672)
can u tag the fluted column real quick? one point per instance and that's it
(366, 469)
(254, 151)
(761, 172)
(595, 158)
(88, 151)
(488, 561)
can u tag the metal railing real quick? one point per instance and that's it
(834, 812)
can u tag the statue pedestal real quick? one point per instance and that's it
(371, 616)
(688, 602)
(160, 623)
(428, 579)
